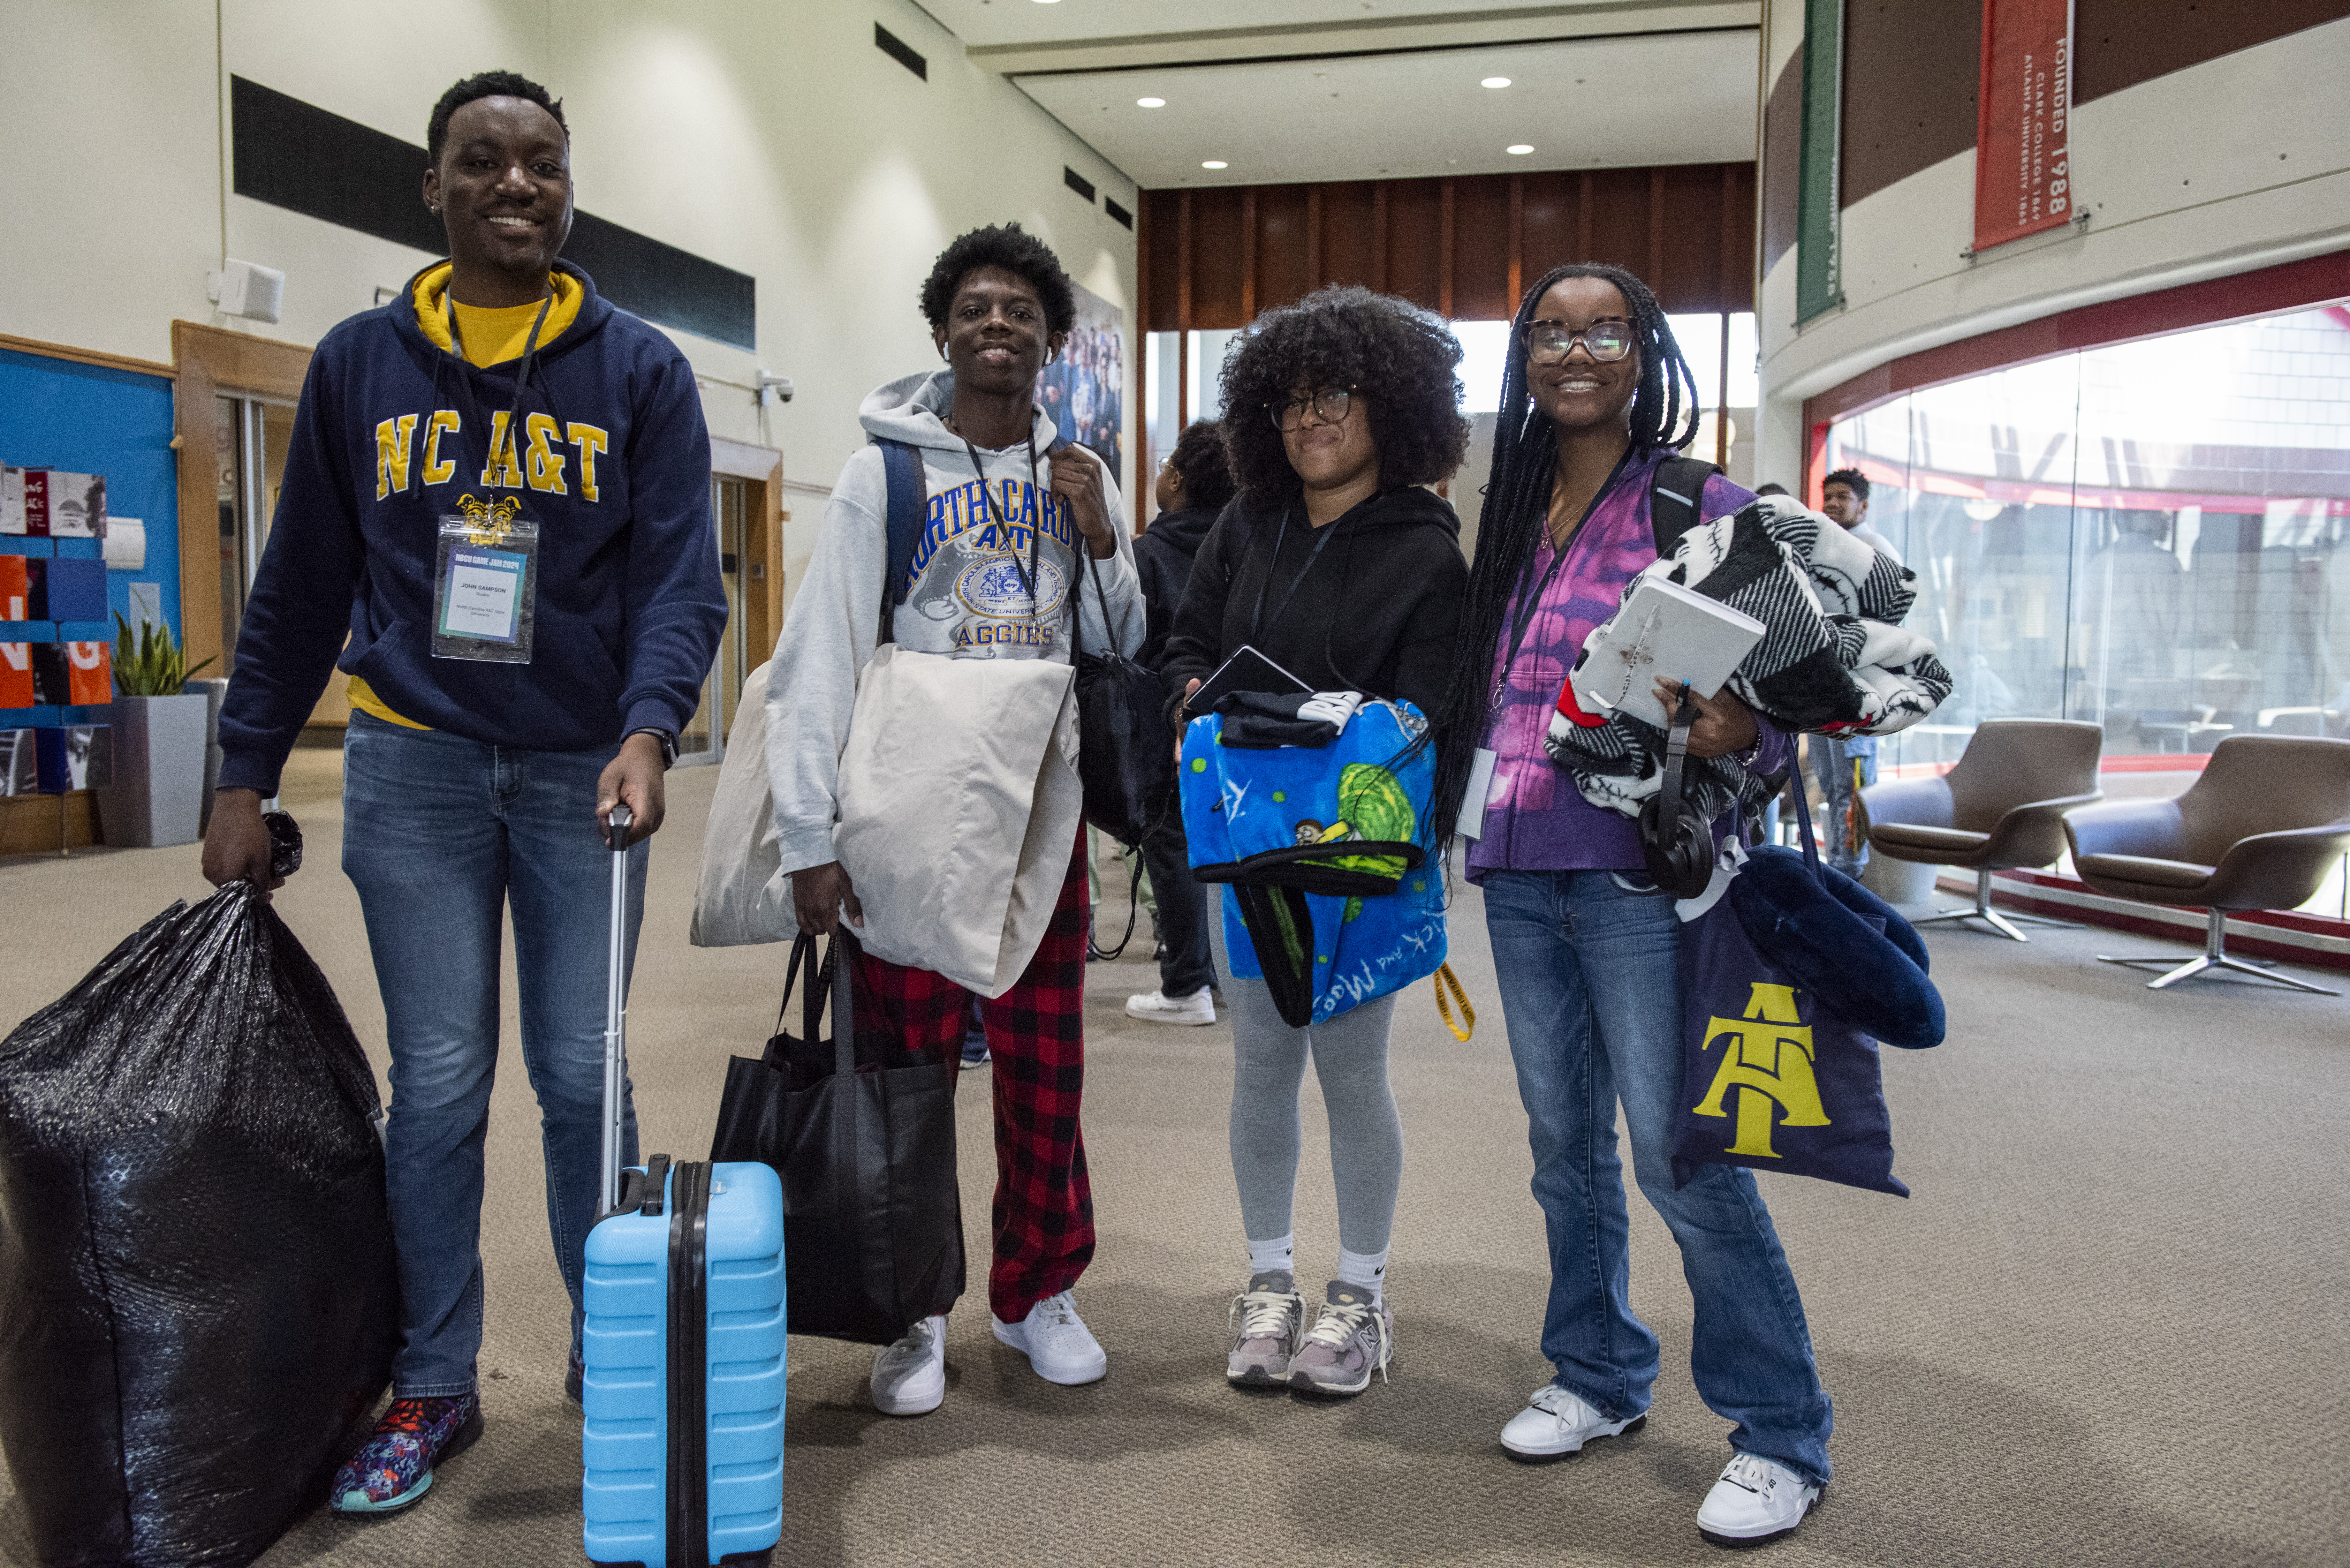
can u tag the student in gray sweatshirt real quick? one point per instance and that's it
(994, 577)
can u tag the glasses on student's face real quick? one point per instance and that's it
(1330, 406)
(1548, 343)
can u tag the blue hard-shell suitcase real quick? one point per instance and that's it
(683, 1384)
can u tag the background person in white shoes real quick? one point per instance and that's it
(1002, 510)
(1588, 965)
(1339, 566)
(1194, 484)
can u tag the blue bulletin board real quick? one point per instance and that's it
(94, 419)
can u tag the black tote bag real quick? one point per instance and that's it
(1126, 747)
(866, 1148)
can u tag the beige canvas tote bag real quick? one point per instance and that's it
(959, 803)
(743, 896)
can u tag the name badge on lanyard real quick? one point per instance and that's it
(485, 579)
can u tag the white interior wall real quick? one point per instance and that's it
(770, 136)
(2183, 180)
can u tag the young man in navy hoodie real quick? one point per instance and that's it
(498, 491)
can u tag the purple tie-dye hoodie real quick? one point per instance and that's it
(1536, 819)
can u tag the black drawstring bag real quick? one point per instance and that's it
(1125, 753)
(866, 1148)
(197, 1294)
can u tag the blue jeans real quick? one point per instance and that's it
(1843, 769)
(1592, 1000)
(440, 836)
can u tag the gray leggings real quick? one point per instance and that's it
(1350, 1057)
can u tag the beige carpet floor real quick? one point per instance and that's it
(2112, 1326)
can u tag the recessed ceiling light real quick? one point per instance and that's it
(1152, 102)
(1215, 163)
(1495, 82)
(1517, 150)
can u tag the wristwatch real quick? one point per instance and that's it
(668, 740)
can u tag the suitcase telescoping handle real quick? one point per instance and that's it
(616, 1014)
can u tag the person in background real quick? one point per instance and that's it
(1771, 489)
(1339, 564)
(1845, 765)
(1596, 396)
(1194, 484)
(498, 390)
(998, 305)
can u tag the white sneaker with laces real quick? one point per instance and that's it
(1160, 1008)
(909, 1378)
(1557, 1422)
(1056, 1341)
(1756, 1499)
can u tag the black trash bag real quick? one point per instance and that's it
(862, 1133)
(197, 1295)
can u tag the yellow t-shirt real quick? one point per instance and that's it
(490, 335)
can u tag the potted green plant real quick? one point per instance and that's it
(157, 796)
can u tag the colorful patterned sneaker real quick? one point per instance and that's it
(393, 1469)
(1756, 1499)
(1265, 1322)
(1351, 1339)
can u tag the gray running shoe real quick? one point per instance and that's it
(1266, 1320)
(1351, 1340)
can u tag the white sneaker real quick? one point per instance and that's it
(1160, 1008)
(1056, 1341)
(1756, 1499)
(909, 1378)
(1555, 1423)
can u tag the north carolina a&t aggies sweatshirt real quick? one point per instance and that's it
(392, 432)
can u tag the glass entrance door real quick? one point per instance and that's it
(251, 436)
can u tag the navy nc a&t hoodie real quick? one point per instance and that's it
(393, 430)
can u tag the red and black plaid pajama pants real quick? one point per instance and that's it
(1043, 1215)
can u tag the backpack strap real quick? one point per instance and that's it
(901, 464)
(1675, 496)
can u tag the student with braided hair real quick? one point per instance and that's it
(1596, 398)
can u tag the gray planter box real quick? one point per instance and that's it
(157, 796)
(213, 691)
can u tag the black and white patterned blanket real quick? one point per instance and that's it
(1834, 659)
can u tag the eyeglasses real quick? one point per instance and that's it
(1547, 343)
(1330, 405)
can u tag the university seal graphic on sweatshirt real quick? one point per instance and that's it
(994, 575)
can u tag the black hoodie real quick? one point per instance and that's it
(1375, 611)
(1162, 560)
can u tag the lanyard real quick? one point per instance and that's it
(1035, 535)
(1529, 603)
(1256, 616)
(521, 374)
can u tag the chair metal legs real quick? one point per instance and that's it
(2003, 923)
(2215, 956)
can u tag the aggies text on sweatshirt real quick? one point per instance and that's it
(392, 431)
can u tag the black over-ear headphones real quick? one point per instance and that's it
(1677, 844)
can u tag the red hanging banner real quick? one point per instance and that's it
(2023, 179)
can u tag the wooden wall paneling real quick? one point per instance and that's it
(1444, 249)
(1350, 233)
(1252, 238)
(1688, 235)
(1586, 217)
(1517, 287)
(1415, 262)
(45, 824)
(1549, 223)
(1484, 247)
(1619, 218)
(1314, 275)
(1379, 236)
(1217, 252)
(1183, 251)
(1285, 250)
(1138, 484)
(1160, 239)
(1655, 267)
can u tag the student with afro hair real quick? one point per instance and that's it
(1012, 527)
(1339, 564)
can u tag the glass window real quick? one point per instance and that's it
(2146, 535)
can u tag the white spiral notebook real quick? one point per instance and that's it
(1663, 631)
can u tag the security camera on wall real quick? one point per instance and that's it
(774, 387)
(247, 289)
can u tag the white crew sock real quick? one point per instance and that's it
(1365, 1270)
(1279, 1254)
